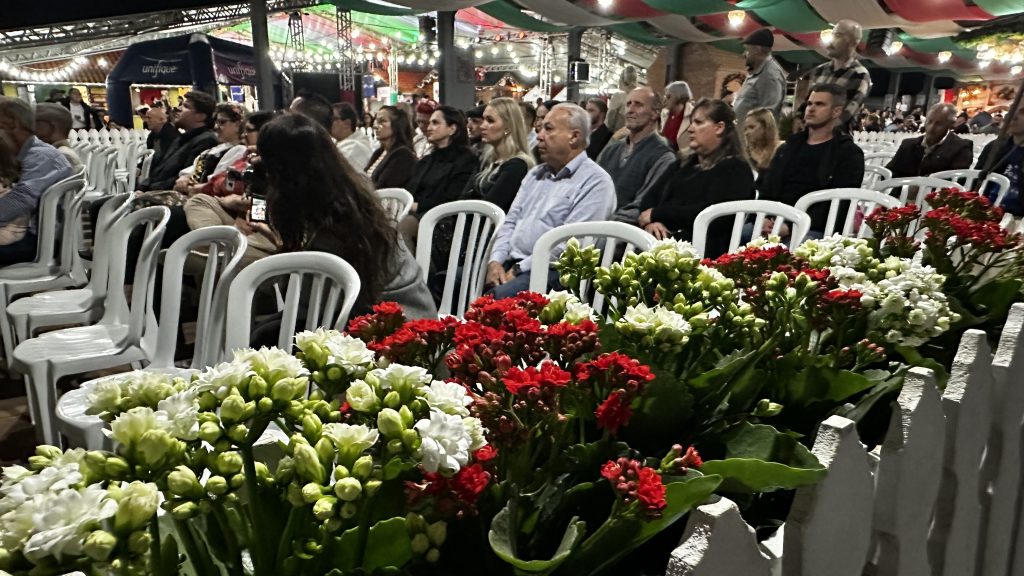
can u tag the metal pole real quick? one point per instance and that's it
(575, 53)
(454, 67)
(261, 49)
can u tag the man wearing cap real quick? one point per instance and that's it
(765, 86)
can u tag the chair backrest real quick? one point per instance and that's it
(475, 224)
(329, 276)
(147, 163)
(60, 195)
(606, 235)
(112, 211)
(913, 189)
(397, 202)
(116, 309)
(878, 158)
(856, 198)
(799, 221)
(968, 180)
(874, 174)
(224, 247)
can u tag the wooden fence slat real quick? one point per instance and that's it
(829, 526)
(1005, 448)
(717, 542)
(957, 528)
(907, 481)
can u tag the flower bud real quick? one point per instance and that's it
(420, 544)
(294, 496)
(116, 467)
(433, 555)
(264, 405)
(307, 463)
(372, 487)
(393, 399)
(138, 542)
(185, 511)
(325, 508)
(136, 507)
(238, 433)
(340, 472)
(281, 391)
(395, 446)
(411, 439)
(415, 523)
(325, 450)
(437, 532)
(209, 432)
(99, 544)
(182, 482)
(348, 489)
(311, 426)
(408, 419)
(229, 463)
(237, 481)
(217, 485)
(257, 387)
(389, 422)
(49, 452)
(348, 510)
(333, 524)
(232, 409)
(312, 492)
(363, 467)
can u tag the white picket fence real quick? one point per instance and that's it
(939, 497)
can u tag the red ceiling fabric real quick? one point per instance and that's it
(628, 9)
(720, 22)
(931, 10)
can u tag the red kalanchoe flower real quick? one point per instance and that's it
(650, 492)
(469, 483)
(385, 319)
(611, 471)
(692, 458)
(485, 454)
(550, 375)
(614, 370)
(614, 412)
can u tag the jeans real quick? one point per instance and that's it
(522, 283)
(23, 250)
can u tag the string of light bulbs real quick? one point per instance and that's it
(58, 74)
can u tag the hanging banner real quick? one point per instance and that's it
(234, 71)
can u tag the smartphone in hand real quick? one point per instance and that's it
(258, 210)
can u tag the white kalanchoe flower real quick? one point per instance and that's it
(672, 250)
(182, 414)
(272, 364)
(398, 376)
(908, 306)
(560, 297)
(361, 397)
(445, 443)
(576, 312)
(223, 377)
(129, 426)
(26, 487)
(62, 520)
(356, 439)
(349, 353)
(838, 251)
(307, 338)
(104, 396)
(477, 433)
(764, 243)
(448, 397)
(564, 306)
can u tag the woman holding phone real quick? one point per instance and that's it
(316, 201)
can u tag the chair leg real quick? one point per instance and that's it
(95, 439)
(41, 380)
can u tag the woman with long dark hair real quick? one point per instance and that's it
(316, 201)
(716, 172)
(441, 175)
(393, 163)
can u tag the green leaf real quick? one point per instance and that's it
(819, 384)
(759, 458)
(387, 544)
(914, 358)
(617, 537)
(501, 538)
(996, 297)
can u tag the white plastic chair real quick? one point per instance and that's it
(53, 268)
(334, 286)
(147, 164)
(854, 198)
(799, 221)
(224, 247)
(967, 179)
(115, 341)
(397, 202)
(874, 174)
(68, 307)
(913, 189)
(878, 158)
(476, 222)
(606, 235)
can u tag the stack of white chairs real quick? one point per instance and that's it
(223, 247)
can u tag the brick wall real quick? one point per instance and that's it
(705, 67)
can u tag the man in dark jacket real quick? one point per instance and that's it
(162, 133)
(196, 119)
(1008, 161)
(599, 134)
(938, 149)
(818, 158)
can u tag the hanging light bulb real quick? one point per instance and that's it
(494, 50)
(1016, 70)
(944, 56)
(826, 36)
(478, 54)
(510, 48)
(736, 18)
(894, 47)
(983, 64)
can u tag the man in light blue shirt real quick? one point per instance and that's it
(42, 166)
(568, 187)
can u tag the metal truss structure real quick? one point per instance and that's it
(297, 41)
(347, 67)
(66, 40)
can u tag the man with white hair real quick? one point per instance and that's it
(938, 149)
(53, 124)
(843, 68)
(567, 187)
(41, 167)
